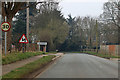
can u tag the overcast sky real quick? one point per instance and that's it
(82, 7)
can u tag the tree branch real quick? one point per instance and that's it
(31, 5)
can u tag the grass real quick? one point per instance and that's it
(28, 68)
(101, 55)
(13, 57)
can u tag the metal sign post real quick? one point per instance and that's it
(23, 40)
(5, 43)
(5, 26)
(5, 39)
(23, 48)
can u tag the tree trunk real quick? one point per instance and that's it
(9, 36)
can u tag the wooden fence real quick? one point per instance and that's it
(110, 49)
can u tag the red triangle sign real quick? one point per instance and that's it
(23, 39)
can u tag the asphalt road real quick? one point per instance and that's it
(81, 66)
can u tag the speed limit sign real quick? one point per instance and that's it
(5, 26)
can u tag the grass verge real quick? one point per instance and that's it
(101, 55)
(52, 52)
(28, 68)
(13, 57)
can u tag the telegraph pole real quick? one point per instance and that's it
(96, 36)
(27, 28)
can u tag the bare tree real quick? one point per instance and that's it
(111, 12)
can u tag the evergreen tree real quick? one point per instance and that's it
(19, 24)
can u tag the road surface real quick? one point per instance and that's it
(81, 66)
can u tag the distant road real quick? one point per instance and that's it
(79, 65)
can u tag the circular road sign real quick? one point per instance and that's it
(5, 26)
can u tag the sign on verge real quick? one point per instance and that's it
(5, 26)
(23, 39)
(42, 43)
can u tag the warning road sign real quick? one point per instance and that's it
(23, 39)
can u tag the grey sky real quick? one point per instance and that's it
(82, 7)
